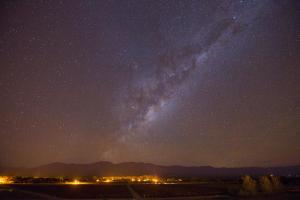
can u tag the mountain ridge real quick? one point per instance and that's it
(105, 168)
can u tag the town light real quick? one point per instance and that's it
(5, 180)
(74, 182)
(108, 181)
(155, 180)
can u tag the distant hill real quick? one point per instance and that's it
(134, 168)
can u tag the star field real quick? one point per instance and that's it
(167, 82)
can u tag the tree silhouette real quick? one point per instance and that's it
(249, 186)
(277, 185)
(265, 184)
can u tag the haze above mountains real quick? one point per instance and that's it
(138, 168)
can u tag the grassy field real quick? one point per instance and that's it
(178, 190)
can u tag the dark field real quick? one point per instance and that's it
(135, 191)
(87, 191)
(178, 190)
(14, 194)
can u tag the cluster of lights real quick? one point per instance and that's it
(110, 179)
(155, 180)
(5, 180)
(152, 179)
(75, 182)
(107, 180)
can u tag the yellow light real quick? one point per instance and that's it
(97, 180)
(75, 182)
(155, 180)
(5, 180)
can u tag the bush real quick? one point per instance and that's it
(249, 186)
(277, 185)
(265, 184)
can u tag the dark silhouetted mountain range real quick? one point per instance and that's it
(135, 168)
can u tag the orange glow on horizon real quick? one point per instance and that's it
(5, 180)
(75, 182)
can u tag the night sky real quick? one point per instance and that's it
(167, 82)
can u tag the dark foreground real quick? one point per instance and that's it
(135, 191)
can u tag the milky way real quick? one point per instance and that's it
(143, 100)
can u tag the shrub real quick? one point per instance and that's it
(249, 186)
(265, 184)
(277, 185)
